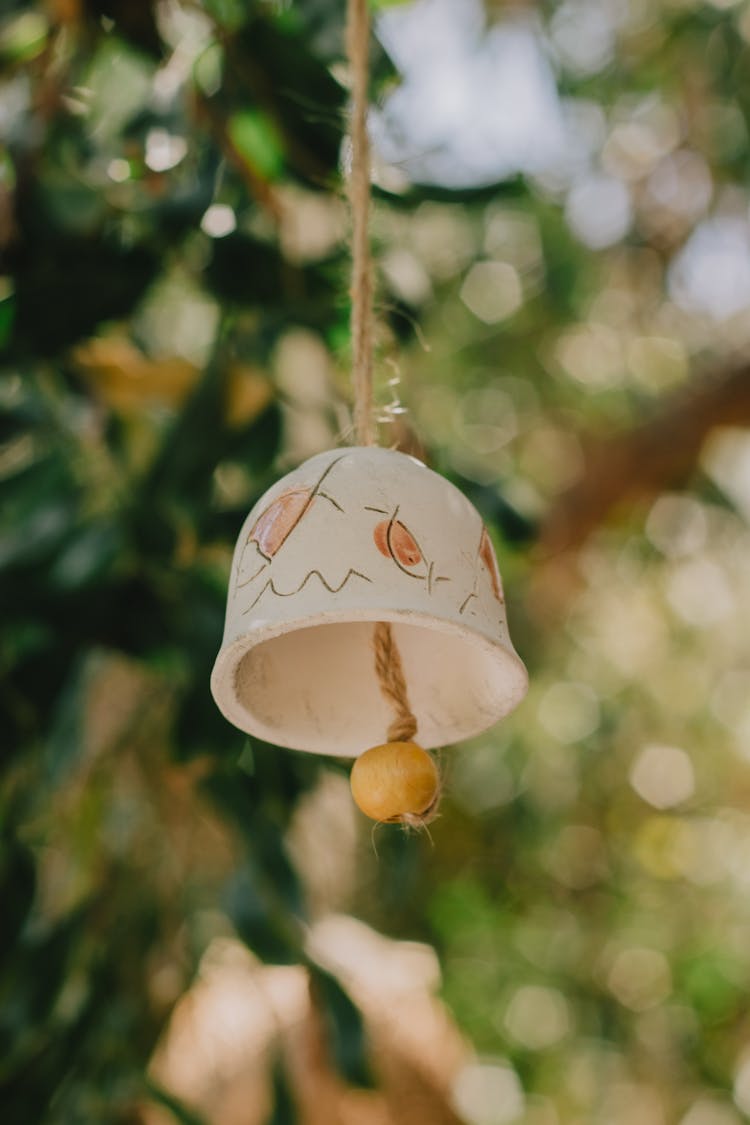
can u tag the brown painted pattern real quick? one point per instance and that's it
(278, 520)
(489, 559)
(394, 540)
(274, 525)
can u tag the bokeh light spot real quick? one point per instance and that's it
(569, 711)
(492, 291)
(598, 211)
(218, 221)
(663, 776)
(163, 150)
(118, 170)
(710, 1111)
(677, 525)
(699, 592)
(537, 1017)
(488, 1093)
(711, 274)
(640, 978)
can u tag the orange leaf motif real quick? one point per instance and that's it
(395, 541)
(279, 519)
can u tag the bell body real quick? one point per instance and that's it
(352, 537)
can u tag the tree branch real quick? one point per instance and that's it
(640, 462)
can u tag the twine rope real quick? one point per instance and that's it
(393, 683)
(388, 665)
(362, 318)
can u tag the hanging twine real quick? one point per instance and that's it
(387, 659)
(358, 45)
(393, 684)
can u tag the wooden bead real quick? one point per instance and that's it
(396, 783)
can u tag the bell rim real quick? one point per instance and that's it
(231, 654)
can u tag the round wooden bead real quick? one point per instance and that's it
(397, 783)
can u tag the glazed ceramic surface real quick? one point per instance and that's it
(351, 537)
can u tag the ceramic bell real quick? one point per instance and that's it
(352, 537)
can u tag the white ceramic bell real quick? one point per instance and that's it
(351, 537)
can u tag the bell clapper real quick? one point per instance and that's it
(397, 783)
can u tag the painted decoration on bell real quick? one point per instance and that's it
(489, 559)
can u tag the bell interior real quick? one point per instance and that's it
(315, 688)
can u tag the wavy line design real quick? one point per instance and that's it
(351, 573)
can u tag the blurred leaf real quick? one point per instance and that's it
(513, 526)
(709, 986)
(7, 316)
(322, 26)
(65, 744)
(284, 1110)
(30, 987)
(88, 556)
(39, 507)
(264, 897)
(102, 281)
(22, 37)
(245, 269)
(510, 189)
(260, 920)
(246, 761)
(256, 137)
(135, 20)
(249, 391)
(298, 95)
(261, 807)
(178, 1109)
(128, 380)
(345, 1026)
(251, 272)
(201, 438)
(17, 888)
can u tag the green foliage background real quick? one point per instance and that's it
(159, 374)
